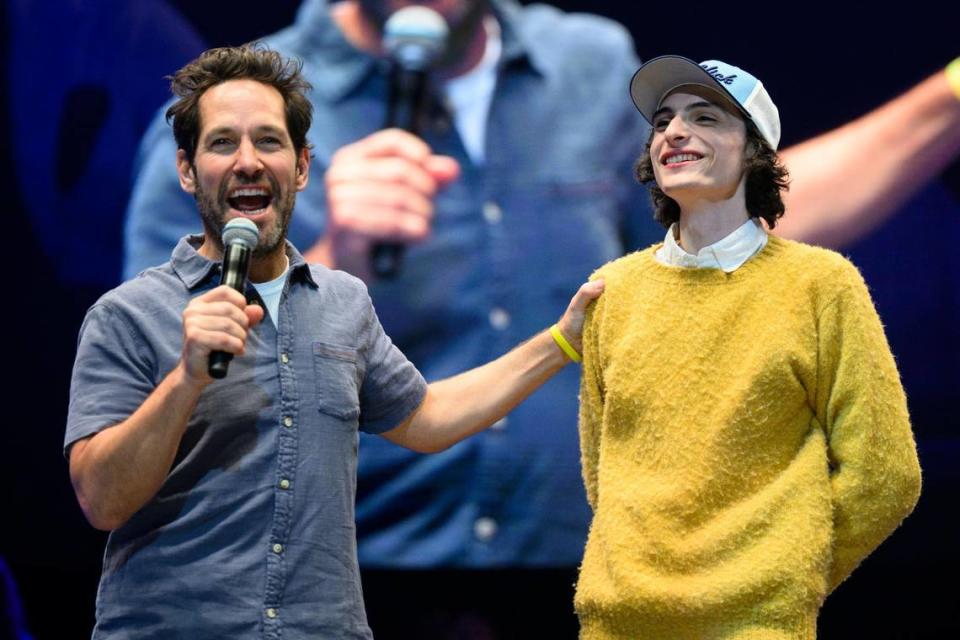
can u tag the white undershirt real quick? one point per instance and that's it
(270, 292)
(728, 254)
(469, 95)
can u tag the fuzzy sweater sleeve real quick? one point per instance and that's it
(875, 473)
(591, 403)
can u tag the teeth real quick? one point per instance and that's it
(682, 157)
(250, 191)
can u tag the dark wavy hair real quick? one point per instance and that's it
(247, 62)
(766, 178)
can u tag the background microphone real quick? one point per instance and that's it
(414, 38)
(240, 238)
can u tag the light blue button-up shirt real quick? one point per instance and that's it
(252, 533)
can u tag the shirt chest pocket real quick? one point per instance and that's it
(337, 377)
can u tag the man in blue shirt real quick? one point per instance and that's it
(518, 226)
(231, 503)
(521, 219)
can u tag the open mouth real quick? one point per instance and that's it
(680, 158)
(249, 200)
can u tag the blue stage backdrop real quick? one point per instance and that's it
(82, 79)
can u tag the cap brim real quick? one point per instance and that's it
(659, 76)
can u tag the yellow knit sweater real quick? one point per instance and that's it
(745, 445)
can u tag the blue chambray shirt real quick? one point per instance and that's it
(252, 533)
(511, 242)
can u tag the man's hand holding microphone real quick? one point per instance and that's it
(380, 189)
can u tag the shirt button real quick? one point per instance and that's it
(278, 548)
(288, 421)
(284, 484)
(271, 613)
(284, 358)
(484, 529)
(492, 212)
(499, 425)
(499, 319)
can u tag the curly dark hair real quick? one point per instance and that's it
(766, 178)
(248, 62)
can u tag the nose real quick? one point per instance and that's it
(247, 162)
(676, 129)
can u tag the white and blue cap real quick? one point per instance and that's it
(659, 77)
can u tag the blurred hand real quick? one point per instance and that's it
(380, 190)
(216, 321)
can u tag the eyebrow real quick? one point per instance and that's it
(215, 132)
(689, 107)
(226, 129)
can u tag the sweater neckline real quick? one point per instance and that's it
(697, 276)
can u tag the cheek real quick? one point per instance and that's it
(208, 177)
(656, 174)
(737, 165)
(654, 154)
(736, 152)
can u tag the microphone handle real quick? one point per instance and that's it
(406, 108)
(236, 264)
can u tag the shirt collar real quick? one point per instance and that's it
(517, 45)
(728, 254)
(345, 67)
(194, 269)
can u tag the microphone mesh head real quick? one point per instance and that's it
(415, 37)
(241, 230)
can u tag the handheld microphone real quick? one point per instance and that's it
(414, 38)
(240, 238)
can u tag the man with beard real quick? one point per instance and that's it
(481, 275)
(530, 106)
(230, 504)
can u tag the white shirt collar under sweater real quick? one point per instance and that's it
(727, 254)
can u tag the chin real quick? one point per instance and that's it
(679, 188)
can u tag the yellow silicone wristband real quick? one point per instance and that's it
(953, 76)
(565, 346)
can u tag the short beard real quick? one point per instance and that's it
(213, 211)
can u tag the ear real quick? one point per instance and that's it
(303, 169)
(186, 172)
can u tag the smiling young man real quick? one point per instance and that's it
(231, 503)
(745, 437)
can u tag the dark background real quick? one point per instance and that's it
(82, 79)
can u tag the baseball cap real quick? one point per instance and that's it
(659, 76)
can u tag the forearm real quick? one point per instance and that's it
(463, 405)
(875, 481)
(356, 262)
(869, 503)
(321, 253)
(847, 182)
(118, 470)
(875, 472)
